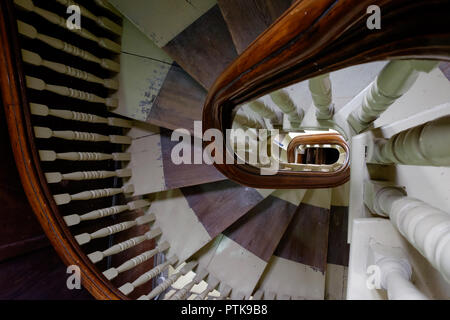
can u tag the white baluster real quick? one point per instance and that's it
(104, 232)
(40, 85)
(396, 78)
(425, 227)
(56, 177)
(426, 144)
(212, 285)
(31, 32)
(98, 256)
(263, 110)
(75, 219)
(49, 155)
(321, 93)
(186, 290)
(284, 102)
(47, 133)
(132, 263)
(169, 281)
(129, 287)
(395, 272)
(44, 111)
(101, 21)
(60, 21)
(66, 198)
(36, 60)
(245, 121)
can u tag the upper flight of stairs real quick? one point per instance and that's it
(209, 236)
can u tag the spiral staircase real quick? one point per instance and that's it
(92, 113)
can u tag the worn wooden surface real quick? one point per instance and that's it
(338, 248)
(217, 205)
(262, 228)
(204, 49)
(247, 19)
(184, 174)
(306, 239)
(179, 103)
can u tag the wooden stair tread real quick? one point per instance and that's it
(205, 48)
(179, 102)
(247, 19)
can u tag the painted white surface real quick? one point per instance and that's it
(179, 224)
(286, 277)
(162, 21)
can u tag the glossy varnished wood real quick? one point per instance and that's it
(314, 37)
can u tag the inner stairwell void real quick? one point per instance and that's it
(102, 105)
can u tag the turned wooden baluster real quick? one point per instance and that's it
(30, 32)
(98, 256)
(40, 85)
(321, 93)
(425, 227)
(186, 290)
(47, 133)
(36, 60)
(66, 198)
(395, 272)
(213, 283)
(396, 78)
(224, 292)
(426, 144)
(246, 122)
(129, 287)
(56, 177)
(44, 111)
(101, 21)
(49, 155)
(74, 219)
(62, 22)
(86, 237)
(169, 281)
(263, 110)
(132, 263)
(284, 102)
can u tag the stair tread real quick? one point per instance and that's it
(153, 169)
(249, 243)
(247, 19)
(205, 48)
(191, 217)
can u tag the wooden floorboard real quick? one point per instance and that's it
(219, 204)
(247, 19)
(205, 48)
(338, 248)
(306, 239)
(260, 230)
(183, 175)
(179, 103)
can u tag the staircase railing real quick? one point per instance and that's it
(308, 41)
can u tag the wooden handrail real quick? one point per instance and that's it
(314, 37)
(14, 98)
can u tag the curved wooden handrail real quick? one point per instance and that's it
(312, 38)
(14, 98)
